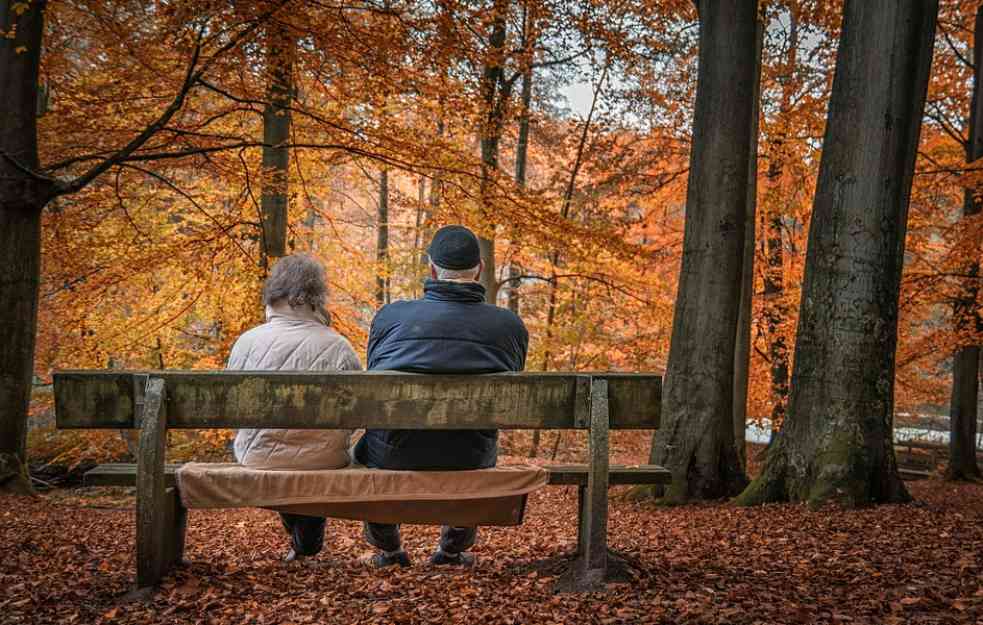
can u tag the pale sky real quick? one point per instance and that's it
(579, 96)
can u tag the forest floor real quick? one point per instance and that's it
(67, 557)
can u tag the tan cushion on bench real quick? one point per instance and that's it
(483, 497)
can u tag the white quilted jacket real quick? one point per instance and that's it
(292, 340)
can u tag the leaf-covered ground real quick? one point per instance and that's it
(67, 557)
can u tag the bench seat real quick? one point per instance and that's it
(123, 474)
(493, 497)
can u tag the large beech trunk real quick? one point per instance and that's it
(22, 198)
(20, 260)
(837, 439)
(696, 438)
(964, 401)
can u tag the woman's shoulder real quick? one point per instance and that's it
(334, 350)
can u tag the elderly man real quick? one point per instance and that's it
(450, 330)
(295, 337)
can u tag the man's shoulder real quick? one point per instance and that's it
(403, 310)
(507, 318)
(396, 310)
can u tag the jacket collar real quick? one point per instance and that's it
(283, 310)
(447, 291)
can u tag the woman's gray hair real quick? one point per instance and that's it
(297, 279)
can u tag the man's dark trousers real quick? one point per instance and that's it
(450, 330)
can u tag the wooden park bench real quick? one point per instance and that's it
(155, 401)
(919, 459)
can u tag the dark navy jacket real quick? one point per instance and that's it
(450, 330)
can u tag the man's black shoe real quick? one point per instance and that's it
(463, 559)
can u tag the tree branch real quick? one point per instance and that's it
(192, 77)
(552, 280)
(955, 50)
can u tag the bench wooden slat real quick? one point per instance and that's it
(618, 475)
(909, 474)
(123, 474)
(234, 399)
(560, 475)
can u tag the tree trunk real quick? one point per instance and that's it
(742, 347)
(433, 201)
(276, 134)
(422, 216)
(696, 439)
(775, 309)
(837, 440)
(964, 400)
(521, 159)
(963, 411)
(554, 257)
(495, 95)
(22, 199)
(382, 242)
(488, 276)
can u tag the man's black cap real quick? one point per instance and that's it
(454, 247)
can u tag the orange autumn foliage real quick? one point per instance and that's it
(157, 264)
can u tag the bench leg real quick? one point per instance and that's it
(581, 516)
(175, 525)
(155, 510)
(590, 569)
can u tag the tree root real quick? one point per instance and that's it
(14, 478)
(643, 492)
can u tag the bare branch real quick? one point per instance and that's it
(552, 280)
(166, 181)
(955, 50)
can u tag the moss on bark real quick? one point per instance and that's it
(14, 477)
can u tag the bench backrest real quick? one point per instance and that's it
(249, 399)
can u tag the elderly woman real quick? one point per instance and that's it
(295, 337)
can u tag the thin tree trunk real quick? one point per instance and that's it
(836, 443)
(22, 199)
(775, 310)
(521, 161)
(696, 438)
(276, 134)
(964, 400)
(551, 308)
(565, 214)
(742, 348)
(427, 220)
(421, 219)
(488, 275)
(495, 96)
(382, 242)
(444, 27)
